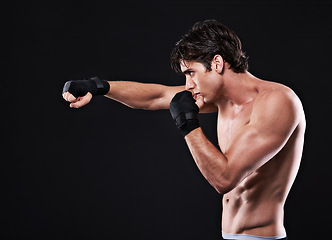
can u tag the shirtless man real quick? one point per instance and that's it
(260, 126)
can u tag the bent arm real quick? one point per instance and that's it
(272, 122)
(142, 95)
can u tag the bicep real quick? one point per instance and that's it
(250, 149)
(165, 97)
(263, 137)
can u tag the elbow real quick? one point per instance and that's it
(223, 189)
(224, 185)
(228, 178)
(219, 190)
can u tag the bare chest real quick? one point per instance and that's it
(230, 121)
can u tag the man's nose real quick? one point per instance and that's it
(190, 84)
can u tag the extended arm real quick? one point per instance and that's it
(142, 95)
(132, 94)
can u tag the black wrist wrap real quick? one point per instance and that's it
(80, 88)
(184, 112)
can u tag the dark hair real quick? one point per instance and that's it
(204, 41)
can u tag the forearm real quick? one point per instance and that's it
(211, 162)
(142, 95)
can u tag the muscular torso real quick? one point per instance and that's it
(255, 206)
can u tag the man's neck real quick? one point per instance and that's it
(238, 88)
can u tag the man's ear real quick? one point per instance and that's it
(217, 64)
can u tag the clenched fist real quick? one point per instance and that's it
(80, 92)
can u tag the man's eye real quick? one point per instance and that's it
(191, 73)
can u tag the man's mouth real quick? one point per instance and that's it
(196, 95)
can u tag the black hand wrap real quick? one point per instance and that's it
(184, 112)
(80, 88)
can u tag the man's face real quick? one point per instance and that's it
(200, 82)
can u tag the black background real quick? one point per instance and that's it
(109, 172)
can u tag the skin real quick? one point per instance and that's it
(260, 131)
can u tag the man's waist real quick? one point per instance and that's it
(230, 236)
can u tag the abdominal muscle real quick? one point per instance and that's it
(253, 211)
(255, 206)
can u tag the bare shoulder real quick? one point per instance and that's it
(277, 103)
(277, 95)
